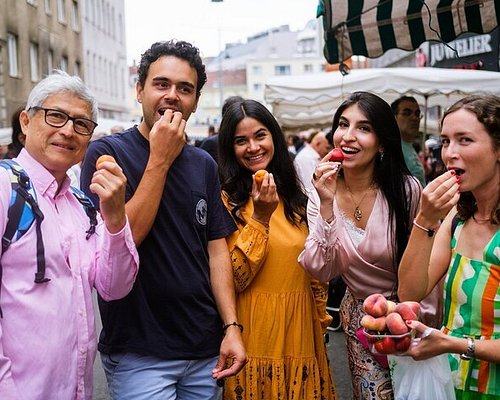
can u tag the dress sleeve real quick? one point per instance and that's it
(248, 249)
(323, 256)
(320, 293)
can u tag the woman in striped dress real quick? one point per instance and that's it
(466, 249)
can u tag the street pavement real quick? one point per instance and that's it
(336, 353)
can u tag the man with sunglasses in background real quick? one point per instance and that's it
(48, 269)
(408, 116)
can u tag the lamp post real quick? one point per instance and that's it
(220, 72)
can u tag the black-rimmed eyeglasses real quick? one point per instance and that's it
(58, 119)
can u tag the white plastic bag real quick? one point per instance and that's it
(421, 380)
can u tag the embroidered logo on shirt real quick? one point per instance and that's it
(201, 212)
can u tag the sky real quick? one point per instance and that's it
(206, 24)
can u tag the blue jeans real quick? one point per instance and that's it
(135, 377)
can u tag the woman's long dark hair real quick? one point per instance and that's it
(487, 111)
(391, 173)
(236, 180)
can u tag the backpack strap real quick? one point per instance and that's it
(18, 213)
(89, 208)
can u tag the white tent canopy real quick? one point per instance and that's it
(310, 100)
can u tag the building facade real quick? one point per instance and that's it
(242, 69)
(36, 36)
(105, 56)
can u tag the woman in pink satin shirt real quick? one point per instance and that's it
(47, 333)
(360, 217)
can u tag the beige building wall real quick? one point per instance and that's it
(45, 34)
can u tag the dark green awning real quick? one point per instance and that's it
(371, 27)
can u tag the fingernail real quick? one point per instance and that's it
(452, 172)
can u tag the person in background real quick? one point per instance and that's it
(177, 332)
(282, 308)
(47, 333)
(116, 129)
(18, 137)
(359, 218)
(305, 162)
(210, 143)
(464, 249)
(408, 115)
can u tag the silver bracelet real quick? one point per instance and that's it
(471, 349)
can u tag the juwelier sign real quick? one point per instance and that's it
(470, 52)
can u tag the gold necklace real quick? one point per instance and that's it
(358, 214)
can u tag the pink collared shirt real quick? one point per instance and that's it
(47, 334)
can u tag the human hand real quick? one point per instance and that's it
(438, 198)
(232, 355)
(167, 138)
(265, 198)
(429, 343)
(324, 179)
(108, 183)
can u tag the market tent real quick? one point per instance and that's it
(310, 100)
(371, 27)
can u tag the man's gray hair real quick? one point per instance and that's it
(60, 82)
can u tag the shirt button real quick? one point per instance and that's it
(82, 350)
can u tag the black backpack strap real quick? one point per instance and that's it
(21, 185)
(89, 208)
(22, 190)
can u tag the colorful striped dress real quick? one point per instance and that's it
(472, 308)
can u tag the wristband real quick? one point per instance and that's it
(224, 328)
(430, 232)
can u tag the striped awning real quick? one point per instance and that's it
(371, 27)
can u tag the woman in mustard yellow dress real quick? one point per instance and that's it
(282, 309)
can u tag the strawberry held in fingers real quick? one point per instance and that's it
(337, 155)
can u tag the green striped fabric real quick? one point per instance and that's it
(472, 308)
(371, 27)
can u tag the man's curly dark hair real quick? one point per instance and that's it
(180, 49)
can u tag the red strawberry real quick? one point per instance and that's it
(337, 155)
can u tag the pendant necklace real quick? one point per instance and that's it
(358, 214)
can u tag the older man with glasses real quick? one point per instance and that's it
(47, 332)
(408, 116)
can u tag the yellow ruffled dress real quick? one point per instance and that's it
(283, 311)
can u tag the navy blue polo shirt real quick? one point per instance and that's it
(171, 312)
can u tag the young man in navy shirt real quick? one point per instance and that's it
(177, 332)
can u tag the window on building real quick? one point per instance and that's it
(257, 87)
(113, 23)
(35, 75)
(257, 69)
(75, 23)
(308, 68)
(61, 11)
(48, 7)
(64, 63)
(50, 61)
(77, 71)
(12, 50)
(281, 70)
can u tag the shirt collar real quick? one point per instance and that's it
(42, 180)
